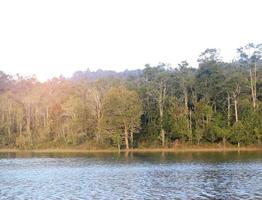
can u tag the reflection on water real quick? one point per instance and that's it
(229, 175)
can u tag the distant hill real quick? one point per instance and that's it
(94, 75)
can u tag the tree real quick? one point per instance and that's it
(121, 113)
(157, 92)
(186, 82)
(210, 77)
(218, 102)
(179, 121)
(238, 132)
(210, 55)
(250, 55)
(203, 117)
(5, 82)
(221, 128)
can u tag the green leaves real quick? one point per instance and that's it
(121, 113)
(217, 102)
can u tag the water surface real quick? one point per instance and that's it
(230, 175)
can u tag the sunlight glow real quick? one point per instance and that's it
(49, 38)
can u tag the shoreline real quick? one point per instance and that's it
(146, 150)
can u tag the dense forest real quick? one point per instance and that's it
(216, 102)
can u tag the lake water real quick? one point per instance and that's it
(230, 175)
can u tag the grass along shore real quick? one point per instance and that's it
(142, 150)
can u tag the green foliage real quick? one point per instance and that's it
(121, 113)
(220, 128)
(238, 131)
(217, 102)
(179, 121)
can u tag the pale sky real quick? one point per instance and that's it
(53, 37)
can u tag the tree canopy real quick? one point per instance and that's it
(216, 102)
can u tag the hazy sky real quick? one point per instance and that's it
(53, 37)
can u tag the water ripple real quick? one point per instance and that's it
(136, 177)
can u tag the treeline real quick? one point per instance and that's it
(218, 102)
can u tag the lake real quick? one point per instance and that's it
(216, 175)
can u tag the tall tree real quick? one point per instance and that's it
(250, 55)
(121, 112)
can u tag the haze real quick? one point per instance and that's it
(49, 38)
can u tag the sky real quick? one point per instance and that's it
(58, 37)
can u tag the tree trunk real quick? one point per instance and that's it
(198, 141)
(9, 121)
(126, 138)
(186, 97)
(255, 85)
(118, 146)
(252, 88)
(28, 121)
(132, 139)
(161, 99)
(47, 117)
(224, 141)
(9, 134)
(162, 133)
(98, 130)
(190, 126)
(188, 114)
(228, 109)
(236, 112)
(44, 120)
(20, 129)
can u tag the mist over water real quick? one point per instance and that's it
(229, 175)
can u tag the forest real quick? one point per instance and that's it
(216, 102)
